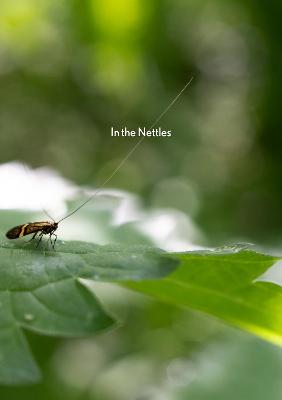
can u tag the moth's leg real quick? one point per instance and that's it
(54, 242)
(40, 238)
(50, 238)
(33, 237)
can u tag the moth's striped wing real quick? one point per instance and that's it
(14, 233)
(26, 229)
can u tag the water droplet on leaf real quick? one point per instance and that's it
(232, 248)
(29, 317)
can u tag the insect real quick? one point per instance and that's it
(42, 228)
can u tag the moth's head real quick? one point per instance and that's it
(55, 225)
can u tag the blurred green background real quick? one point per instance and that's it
(69, 70)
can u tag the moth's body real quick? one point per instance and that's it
(42, 227)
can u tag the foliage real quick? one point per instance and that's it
(47, 292)
(224, 284)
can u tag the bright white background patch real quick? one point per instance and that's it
(25, 189)
(43, 188)
(273, 274)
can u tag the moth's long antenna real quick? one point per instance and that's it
(43, 209)
(130, 152)
(48, 215)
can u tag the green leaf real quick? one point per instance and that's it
(224, 284)
(44, 291)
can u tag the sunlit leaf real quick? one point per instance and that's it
(225, 284)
